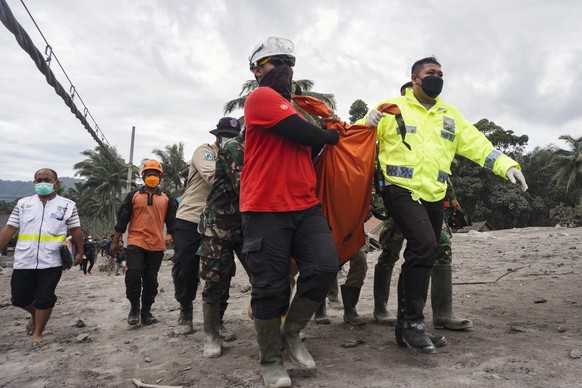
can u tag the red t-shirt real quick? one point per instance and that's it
(278, 174)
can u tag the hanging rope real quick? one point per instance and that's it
(43, 65)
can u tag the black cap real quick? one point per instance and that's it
(227, 125)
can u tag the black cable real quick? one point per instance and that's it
(26, 43)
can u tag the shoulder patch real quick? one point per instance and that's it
(208, 156)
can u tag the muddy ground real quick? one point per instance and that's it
(522, 288)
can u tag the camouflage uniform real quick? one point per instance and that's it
(220, 223)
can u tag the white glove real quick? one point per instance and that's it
(514, 175)
(374, 118)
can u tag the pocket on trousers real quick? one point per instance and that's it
(250, 246)
(258, 266)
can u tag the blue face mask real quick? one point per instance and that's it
(44, 188)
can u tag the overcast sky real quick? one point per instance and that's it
(167, 67)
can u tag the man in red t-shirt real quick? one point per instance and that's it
(281, 215)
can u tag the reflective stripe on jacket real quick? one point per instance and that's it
(42, 230)
(435, 136)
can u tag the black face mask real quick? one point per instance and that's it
(279, 79)
(432, 85)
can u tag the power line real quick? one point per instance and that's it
(43, 65)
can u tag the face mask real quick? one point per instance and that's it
(279, 79)
(44, 188)
(152, 181)
(432, 85)
(223, 141)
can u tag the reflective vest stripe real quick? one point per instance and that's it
(491, 158)
(400, 171)
(37, 237)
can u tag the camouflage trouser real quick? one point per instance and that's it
(391, 240)
(358, 268)
(217, 267)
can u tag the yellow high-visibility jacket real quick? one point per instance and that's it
(434, 136)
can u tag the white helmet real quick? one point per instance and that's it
(272, 46)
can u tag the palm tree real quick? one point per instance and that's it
(569, 164)
(302, 86)
(175, 168)
(105, 182)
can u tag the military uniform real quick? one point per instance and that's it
(220, 223)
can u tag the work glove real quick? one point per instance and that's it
(514, 176)
(332, 137)
(374, 118)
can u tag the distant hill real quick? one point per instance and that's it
(11, 190)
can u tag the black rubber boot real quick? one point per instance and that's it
(185, 325)
(146, 316)
(224, 334)
(437, 340)
(134, 312)
(442, 299)
(382, 277)
(333, 296)
(320, 316)
(415, 285)
(350, 297)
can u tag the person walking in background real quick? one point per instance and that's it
(120, 259)
(108, 245)
(102, 249)
(42, 221)
(89, 255)
(146, 210)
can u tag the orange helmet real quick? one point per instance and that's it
(152, 164)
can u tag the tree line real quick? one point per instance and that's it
(554, 177)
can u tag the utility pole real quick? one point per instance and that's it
(130, 164)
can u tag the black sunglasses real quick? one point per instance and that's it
(278, 61)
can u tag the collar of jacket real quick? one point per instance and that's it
(438, 104)
(158, 191)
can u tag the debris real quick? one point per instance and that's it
(516, 329)
(80, 323)
(82, 337)
(148, 360)
(245, 288)
(540, 300)
(575, 354)
(562, 329)
(138, 383)
(572, 247)
(352, 343)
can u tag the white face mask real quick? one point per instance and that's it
(223, 141)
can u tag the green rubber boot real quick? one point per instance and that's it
(442, 299)
(269, 341)
(212, 342)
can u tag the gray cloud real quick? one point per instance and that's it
(169, 67)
